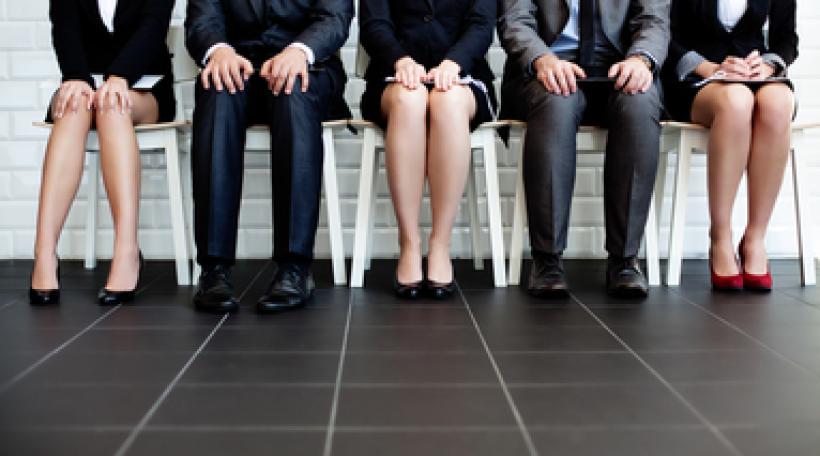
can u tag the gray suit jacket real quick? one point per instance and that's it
(528, 27)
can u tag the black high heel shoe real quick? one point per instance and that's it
(407, 290)
(112, 298)
(441, 291)
(45, 297)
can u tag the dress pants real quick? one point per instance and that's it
(550, 156)
(220, 123)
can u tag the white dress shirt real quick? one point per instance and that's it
(730, 12)
(107, 10)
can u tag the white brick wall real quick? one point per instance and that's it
(28, 74)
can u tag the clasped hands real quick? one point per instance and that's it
(560, 77)
(113, 96)
(753, 67)
(411, 75)
(227, 70)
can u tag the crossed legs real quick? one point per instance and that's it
(427, 136)
(749, 133)
(62, 172)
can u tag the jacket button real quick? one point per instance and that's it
(428, 18)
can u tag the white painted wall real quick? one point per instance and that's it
(28, 75)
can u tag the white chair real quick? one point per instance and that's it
(590, 140)
(258, 140)
(483, 138)
(151, 138)
(691, 139)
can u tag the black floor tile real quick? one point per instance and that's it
(229, 406)
(514, 309)
(726, 367)
(558, 338)
(13, 364)
(222, 367)
(398, 338)
(638, 442)
(277, 338)
(431, 443)
(634, 405)
(60, 443)
(423, 406)
(118, 368)
(573, 368)
(185, 339)
(219, 443)
(391, 367)
(409, 315)
(781, 440)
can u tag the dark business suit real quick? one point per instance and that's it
(136, 47)
(698, 34)
(527, 29)
(259, 30)
(429, 31)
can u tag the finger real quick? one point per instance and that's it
(281, 79)
(265, 70)
(236, 74)
(62, 102)
(305, 79)
(216, 77)
(440, 77)
(75, 101)
(122, 101)
(614, 70)
(204, 76)
(247, 69)
(291, 81)
(579, 71)
(562, 82)
(225, 71)
(552, 84)
(623, 78)
(90, 99)
(569, 75)
(648, 84)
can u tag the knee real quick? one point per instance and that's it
(450, 106)
(735, 104)
(774, 109)
(112, 116)
(405, 101)
(640, 107)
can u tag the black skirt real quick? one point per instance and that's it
(679, 96)
(163, 92)
(372, 100)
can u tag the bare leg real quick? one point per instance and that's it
(727, 109)
(448, 161)
(62, 171)
(120, 160)
(405, 145)
(774, 107)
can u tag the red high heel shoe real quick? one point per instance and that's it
(732, 282)
(755, 282)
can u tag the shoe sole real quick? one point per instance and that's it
(272, 307)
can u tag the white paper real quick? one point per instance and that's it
(463, 81)
(144, 83)
(721, 76)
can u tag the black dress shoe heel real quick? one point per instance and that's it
(547, 278)
(291, 288)
(441, 291)
(215, 292)
(407, 290)
(108, 297)
(45, 297)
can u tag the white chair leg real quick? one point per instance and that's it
(678, 225)
(494, 207)
(371, 228)
(519, 220)
(93, 181)
(475, 222)
(660, 192)
(363, 207)
(334, 215)
(653, 264)
(188, 195)
(808, 275)
(177, 208)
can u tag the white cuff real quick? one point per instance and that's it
(211, 51)
(304, 48)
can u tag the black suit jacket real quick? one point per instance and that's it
(696, 27)
(259, 29)
(429, 31)
(136, 48)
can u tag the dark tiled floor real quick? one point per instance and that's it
(492, 372)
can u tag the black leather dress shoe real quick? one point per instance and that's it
(407, 290)
(292, 287)
(441, 291)
(108, 297)
(215, 292)
(624, 278)
(547, 277)
(45, 297)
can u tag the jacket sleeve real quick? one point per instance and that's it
(518, 31)
(477, 36)
(329, 28)
(377, 32)
(649, 29)
(147, 41)
(68, 45)
(782, 35)
(204, 27)
(682, 59)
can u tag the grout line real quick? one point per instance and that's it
(9, 304)
(334, 408)
(5, 386)
(745, 334)
(126, 445)
(678, 395)
(132, 436)
(518, 418)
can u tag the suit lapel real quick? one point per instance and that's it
(431, 5)
(258, 7)
(710, 11)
